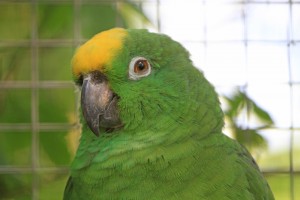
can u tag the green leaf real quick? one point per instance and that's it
(262, 114)
(250, 138)
(238, 104)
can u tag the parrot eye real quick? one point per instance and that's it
(139, 67)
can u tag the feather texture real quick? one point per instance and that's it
(171, 145)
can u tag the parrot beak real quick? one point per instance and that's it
(99, 104)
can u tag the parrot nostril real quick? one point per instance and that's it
(98, 77)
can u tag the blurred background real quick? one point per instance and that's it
(250, 51)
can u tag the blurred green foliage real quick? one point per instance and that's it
(55, 21)
(281, 183)
(281, 186)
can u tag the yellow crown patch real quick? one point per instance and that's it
(97, 53)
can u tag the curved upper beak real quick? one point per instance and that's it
(99, 103)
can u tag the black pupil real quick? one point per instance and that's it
(141, 65)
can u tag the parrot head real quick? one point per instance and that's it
(133, 81)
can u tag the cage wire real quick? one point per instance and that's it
(156, 9)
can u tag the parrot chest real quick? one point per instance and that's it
(186, 171)
(156, 178)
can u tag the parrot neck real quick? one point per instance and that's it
(125, 149)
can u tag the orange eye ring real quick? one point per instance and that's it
(139, 67)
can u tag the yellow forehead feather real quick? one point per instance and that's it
(98, 52)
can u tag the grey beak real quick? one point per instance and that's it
(99, 104)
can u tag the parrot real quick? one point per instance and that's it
(152, 126)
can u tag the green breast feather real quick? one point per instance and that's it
(152, 126)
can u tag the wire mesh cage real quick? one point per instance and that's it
(243, 47)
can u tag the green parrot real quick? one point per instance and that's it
(152, 126)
